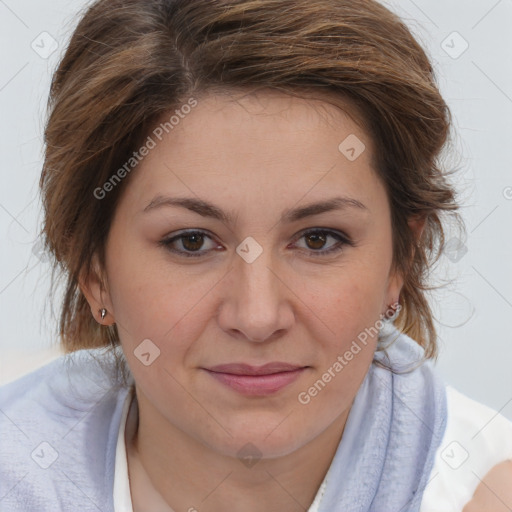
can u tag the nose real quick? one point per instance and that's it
(257, 305)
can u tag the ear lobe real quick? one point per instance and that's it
(396, 281)
(91, 285)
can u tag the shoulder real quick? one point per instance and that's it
(61, 390)
(477, 443)
(52, 396)
(30, 388)
(80, 375)
(494, 492)
(58, 425)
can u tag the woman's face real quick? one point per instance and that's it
(275, 281)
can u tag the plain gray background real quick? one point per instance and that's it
(470, 44)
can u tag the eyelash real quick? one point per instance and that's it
(342, 240)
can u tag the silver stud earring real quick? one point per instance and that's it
(103, 313)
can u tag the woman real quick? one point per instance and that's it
(245, 200)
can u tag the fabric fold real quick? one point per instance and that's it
(394, 428)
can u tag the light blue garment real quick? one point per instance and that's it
(395, 425)
(59, 428)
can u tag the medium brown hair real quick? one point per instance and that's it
(131, 61)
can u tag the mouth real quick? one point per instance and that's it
(256, 380)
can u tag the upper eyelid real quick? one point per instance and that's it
(301, 233)
(326, 230)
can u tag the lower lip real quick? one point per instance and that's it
(258, 385)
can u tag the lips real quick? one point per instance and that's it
(246, 369)
(256, 380)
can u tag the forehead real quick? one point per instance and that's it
(269, 111)
(265, 143)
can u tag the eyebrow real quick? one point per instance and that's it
(206, 209)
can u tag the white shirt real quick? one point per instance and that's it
(476, 439)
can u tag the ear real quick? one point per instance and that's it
(93, 287)
(395, 281)
(417, 225)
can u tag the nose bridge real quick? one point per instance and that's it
(256, 276)
(258, 295)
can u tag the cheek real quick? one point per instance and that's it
(160, 311)
(158, 303)
(350, 306)
(351, 298)
(351, 312)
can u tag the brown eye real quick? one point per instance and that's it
(188, 243)
(192, 242)
(317, 240)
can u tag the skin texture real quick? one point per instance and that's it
(494, 493)
(254, 157)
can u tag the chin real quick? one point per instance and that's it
(270, 440)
